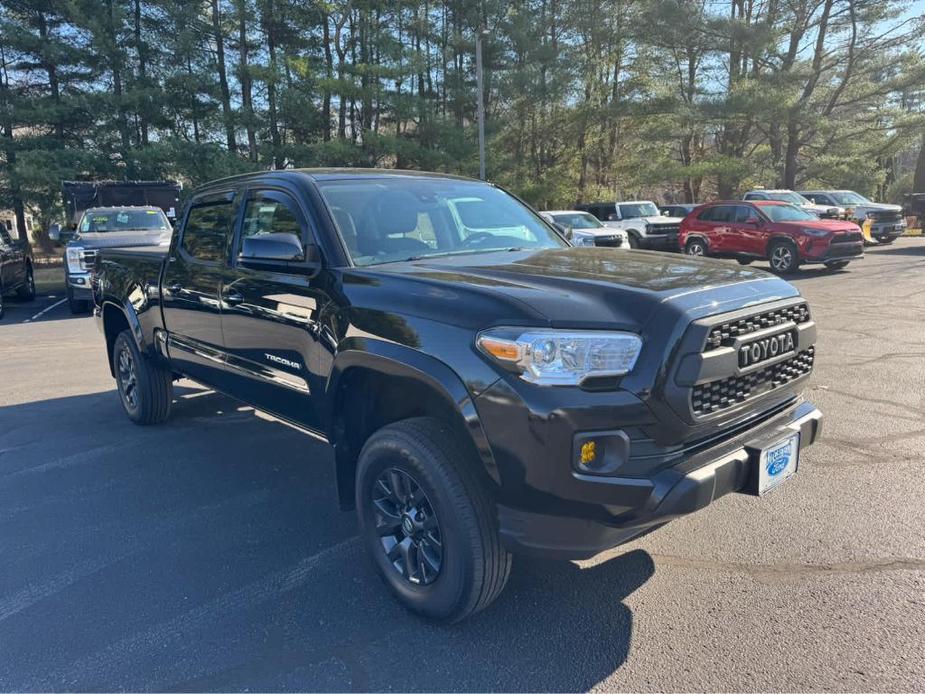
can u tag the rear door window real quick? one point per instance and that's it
(206, 231)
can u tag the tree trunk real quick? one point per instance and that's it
(918, 181)
(142, 74)
(329, 73)
(244, 77)
(227, 115)
(270, 27)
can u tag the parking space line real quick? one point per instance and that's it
(44, 311)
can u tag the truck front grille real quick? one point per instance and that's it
(669, 229)
(886, 215)
(88, 259)
(724, 335)
(718, 395)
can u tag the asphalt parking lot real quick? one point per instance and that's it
(209, 553)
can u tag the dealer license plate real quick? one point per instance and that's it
(778, 463)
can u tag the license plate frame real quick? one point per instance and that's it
(777, 463)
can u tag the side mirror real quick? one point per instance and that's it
(613, 217)
(54, 232)
(566, 231)
(282, 252)
(280, 247)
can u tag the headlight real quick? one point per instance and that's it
(818, 233)
(73, 259)
(582, 240)
(561, 357)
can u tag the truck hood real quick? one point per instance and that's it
(122, 239)
(877, 207)
(569, 287)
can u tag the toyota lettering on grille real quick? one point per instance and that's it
(767, 348)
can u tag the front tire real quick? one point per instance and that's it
(145, 387)
(27, 291)
(886, 240)
(428, 521)
(784, 257)
(697, 248)
(837, 265)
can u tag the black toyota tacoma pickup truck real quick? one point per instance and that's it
(487, 388)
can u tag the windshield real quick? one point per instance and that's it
(792, 198)
(848, 197)
(787, 213)
(384, 220)
(98, 221)
(577, 220)
(638, 209)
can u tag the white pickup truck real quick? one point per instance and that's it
(886, 221)
(641, 220)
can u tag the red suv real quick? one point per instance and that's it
(775, 231)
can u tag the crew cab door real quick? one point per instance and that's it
(274, 340)
(190, 288)
(12, 262)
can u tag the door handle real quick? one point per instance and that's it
(233, 298)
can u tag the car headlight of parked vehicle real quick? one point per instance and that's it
(818, 233)
(561, 357)
(582, 240)
(73, 255)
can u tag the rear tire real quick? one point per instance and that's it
(145, 387)
(784, 257)
(428, 522)
(697, 248)
(27, 291)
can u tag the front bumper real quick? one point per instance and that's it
(834, 252)
(887, 230)
(688, 486)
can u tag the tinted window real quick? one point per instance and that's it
(206, 228)
(755, 196)
(723, 213)
(706, 215)
(744, 213)
(264, 215)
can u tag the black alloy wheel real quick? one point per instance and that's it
(407, 525)
(27, 291)
(127, 377)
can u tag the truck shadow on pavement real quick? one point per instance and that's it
(209, 554)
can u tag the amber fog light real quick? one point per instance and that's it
(600, 452)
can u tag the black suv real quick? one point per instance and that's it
(486, 387)
(16, 271)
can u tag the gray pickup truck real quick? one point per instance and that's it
(108, 227)
(886, 221)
